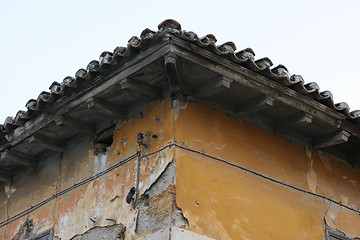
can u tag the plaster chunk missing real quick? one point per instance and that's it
(25, 230)
(157, 208)
(116, 232)
(179, 218)
(177, 106)
(156, 204)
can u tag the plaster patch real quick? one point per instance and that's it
(344, 200)
(326, 161)
(308, 153)
(100, 162)
(311, 175)
(312, 181)
(9, 190)
(353, 182)
(177, 106)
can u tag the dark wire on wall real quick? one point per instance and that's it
(118, 164)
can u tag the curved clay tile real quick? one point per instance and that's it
(135, 42)
(93, 66)
(82, 74)
(106, 58)
(245, 55)
(121, 52)
(190, 36)
(70, 82)
(46, 97)
(8, 124)
(170, 25)
(225, 48)
(245, 58)
(279, 74)
(147, 34)
(55, 88)
(32, 105)
(20, 118)
(207, 40)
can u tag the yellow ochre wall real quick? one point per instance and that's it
(225, 202)
(218, 200)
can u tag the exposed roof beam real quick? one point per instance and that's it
(107, 108)
(19, 158)
(213, 87)
(296, 120)
(255, 105)
(139, 61)
(140, 88)
(48, 143)
(255, 81)
(172, 74)
(75, 124)
(5, 177)
(332, 139)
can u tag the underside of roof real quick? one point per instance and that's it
(173, 62)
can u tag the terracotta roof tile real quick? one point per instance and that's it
(245, 58)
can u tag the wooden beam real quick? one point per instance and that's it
(296, 120)
(255, 105)
(107, 108)
(48, 143)
(213, 87)
(172, 74)
(152, 54)
(19, 158)
(255, 81)
(140, 88)
(332, 139)
(75, 124)
(5, 177)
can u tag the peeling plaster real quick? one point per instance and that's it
(343, 221)
(156, 203)
(177, 106)
(311, 175)
(25, 230)
(9, 190)
(112, 232)
(206, 197)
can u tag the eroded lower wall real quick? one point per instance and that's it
(95, 207)
(224, 201)
(184, 183)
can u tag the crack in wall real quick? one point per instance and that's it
(155, 205)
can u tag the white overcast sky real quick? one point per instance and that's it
(45, 41)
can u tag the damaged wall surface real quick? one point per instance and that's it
(202, 171)
(285, 192)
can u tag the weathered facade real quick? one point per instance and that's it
(174, 137)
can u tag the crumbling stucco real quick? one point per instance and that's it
(223, 202)
(25, 230)
(155, 206)
(112, 232)
(204, 196)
